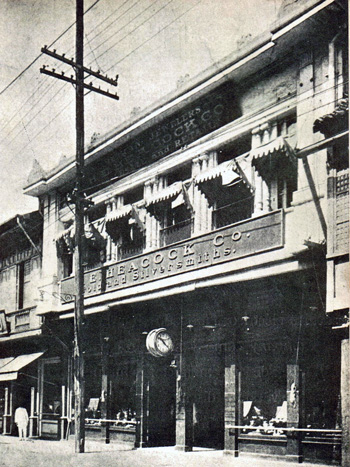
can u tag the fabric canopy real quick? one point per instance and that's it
(116, 214)
(70, 232)
(9, 370)
(91, 234)
(226, 170)
(229, 173)
(273, 157)
(129, 211)
(165, 194)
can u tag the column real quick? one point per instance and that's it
(208, 161)
(231, 401)
(63, 410)
(159, 184)
(152, 223)
(109, 240)
(196, 168)
(31, 416)
(41, 393)
(114, 246)
(142, 391)
(345, 402)
(258, 198)
(265, 197)
(6, 411)
(258, 205)
(294, 446)
(105, 382)
(184, 405)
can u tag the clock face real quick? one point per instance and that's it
(159, 343)
(164, 343)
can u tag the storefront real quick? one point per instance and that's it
(250, 367)
(18, 388)
(39, 382)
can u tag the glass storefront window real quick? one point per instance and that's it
(52, 390)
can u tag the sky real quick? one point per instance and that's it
(153, 45)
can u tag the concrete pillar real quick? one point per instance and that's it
(152, 223)
(196, 168)
(6, 411)
(142, 393)
(258, 198)
(231, 402)
(105, 385)
(50, 261)
(265, 197)
(149, 224)
(184, 405)
(294, 445)
(109, 240)
(345, 401)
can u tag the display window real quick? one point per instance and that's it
(264, 397)
(2, 408)
(93, 378)
(52, 381)
(123, 397)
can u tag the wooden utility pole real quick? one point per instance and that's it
(81, 73)
(78, 353)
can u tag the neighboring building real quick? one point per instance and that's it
(213, 227)
(21, 327)
(27, 347)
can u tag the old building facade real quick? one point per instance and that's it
(216, 258)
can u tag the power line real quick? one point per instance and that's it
(92, 51)
(111, 14)
(37, 58)
(129, 33)
(154, 35)
(42, 108)
(127, 24)
(137, 27)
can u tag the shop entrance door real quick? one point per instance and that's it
(208, 398)
(162, 396)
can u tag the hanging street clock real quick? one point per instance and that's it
(159, 343)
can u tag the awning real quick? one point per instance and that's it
(334, 122)
(130, 212)
(183, 198)
(274, 157)
(70, 232)
(9, 371)
(166, 194)
(225, 170)
(229, 173)
(116, 214)
(91, 234)
(5, 361)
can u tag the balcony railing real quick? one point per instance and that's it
(232, 213)
(177, 232)
(245, 238)
(129, 251)
(23, 320)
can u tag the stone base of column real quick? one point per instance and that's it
(230, 452)
(183, 448)
(293, 458)
(141, 445)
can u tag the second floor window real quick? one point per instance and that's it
(23, 284)
(177, 223)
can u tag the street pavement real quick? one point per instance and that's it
(42, 453)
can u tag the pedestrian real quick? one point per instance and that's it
(21, 420)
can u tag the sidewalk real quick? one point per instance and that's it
(42, 453)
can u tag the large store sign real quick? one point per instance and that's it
(197, 119)
(226, 244)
